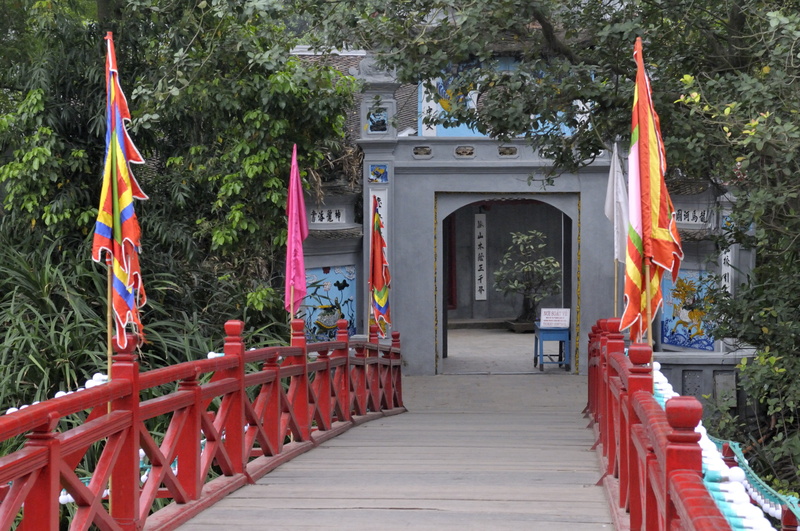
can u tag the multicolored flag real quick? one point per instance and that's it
(295, 288)
(379, 277)
(117, 231)
(653, 238)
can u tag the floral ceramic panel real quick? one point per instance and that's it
(683, 323)
(331, 296)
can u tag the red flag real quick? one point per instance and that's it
(295, 289)
(652, 232)
(379, 277)
(117, 230)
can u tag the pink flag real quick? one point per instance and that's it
(298, 231)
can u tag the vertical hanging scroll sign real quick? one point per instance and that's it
(480, 257)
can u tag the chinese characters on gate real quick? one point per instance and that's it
(480, 257)
(330, 215)
(693, 216)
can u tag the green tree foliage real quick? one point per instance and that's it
(757, 114)
(725, 78)
(217, 102)
(525, 270)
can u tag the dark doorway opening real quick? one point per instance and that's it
(468, 311)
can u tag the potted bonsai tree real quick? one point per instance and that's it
(525, 270)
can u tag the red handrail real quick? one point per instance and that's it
(223, 419)
(651, 452)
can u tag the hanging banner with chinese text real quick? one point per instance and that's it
(480, 257)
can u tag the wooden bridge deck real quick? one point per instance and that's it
(484, 449)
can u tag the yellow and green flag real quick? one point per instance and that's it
(653, 237)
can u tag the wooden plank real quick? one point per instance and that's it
(473, 452)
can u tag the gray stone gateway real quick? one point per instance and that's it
(436, 192)
(449, 200)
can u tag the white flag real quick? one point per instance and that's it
(617, 206)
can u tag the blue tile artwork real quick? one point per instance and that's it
(331, 296)
(683, 323)
(378, 173)
(377, 120)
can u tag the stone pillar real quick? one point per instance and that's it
(378, 140)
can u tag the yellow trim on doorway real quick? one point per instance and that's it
(436, 349)
(577, 354)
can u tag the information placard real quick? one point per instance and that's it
(554, 318)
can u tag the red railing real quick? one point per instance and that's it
(651, 452)
(226, 422)
(653, 462)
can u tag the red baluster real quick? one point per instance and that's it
(271, 412)
(323, 391)
(591, 401)
(359, 381)
(683, 451)
(124, 486)
(640, 378)
(373, 371)
(397, 369)
(41, 505)
(300, 387)
(342, 375)
(728, 456)
(603, 418)
(188, 441)
(788, 520)
(233, 404)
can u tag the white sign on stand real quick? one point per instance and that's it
(554, 318)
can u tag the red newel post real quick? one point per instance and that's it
(323, 390)
(397, 371)
(615, 340)
(640, 378)
(272, 407)
(188, 441)
(591, 400)
(358, 376)
(373, 371)
(303, 408)
(728, 457)
(386, 370)
(124, 487)
(342, 375)
(683, 451)
(788, 520)
(604, 398)
(615, 420)
(41, 506)
(234, 423)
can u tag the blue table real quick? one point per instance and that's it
(561, 335)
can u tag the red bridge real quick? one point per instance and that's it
(516, 447)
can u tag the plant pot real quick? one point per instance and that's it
(520, 326)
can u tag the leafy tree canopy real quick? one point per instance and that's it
(217, 101)
(725, 83)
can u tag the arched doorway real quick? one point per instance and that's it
(475, 317)
(430, 179)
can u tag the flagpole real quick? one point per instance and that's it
(648, 298)
(109, 319)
